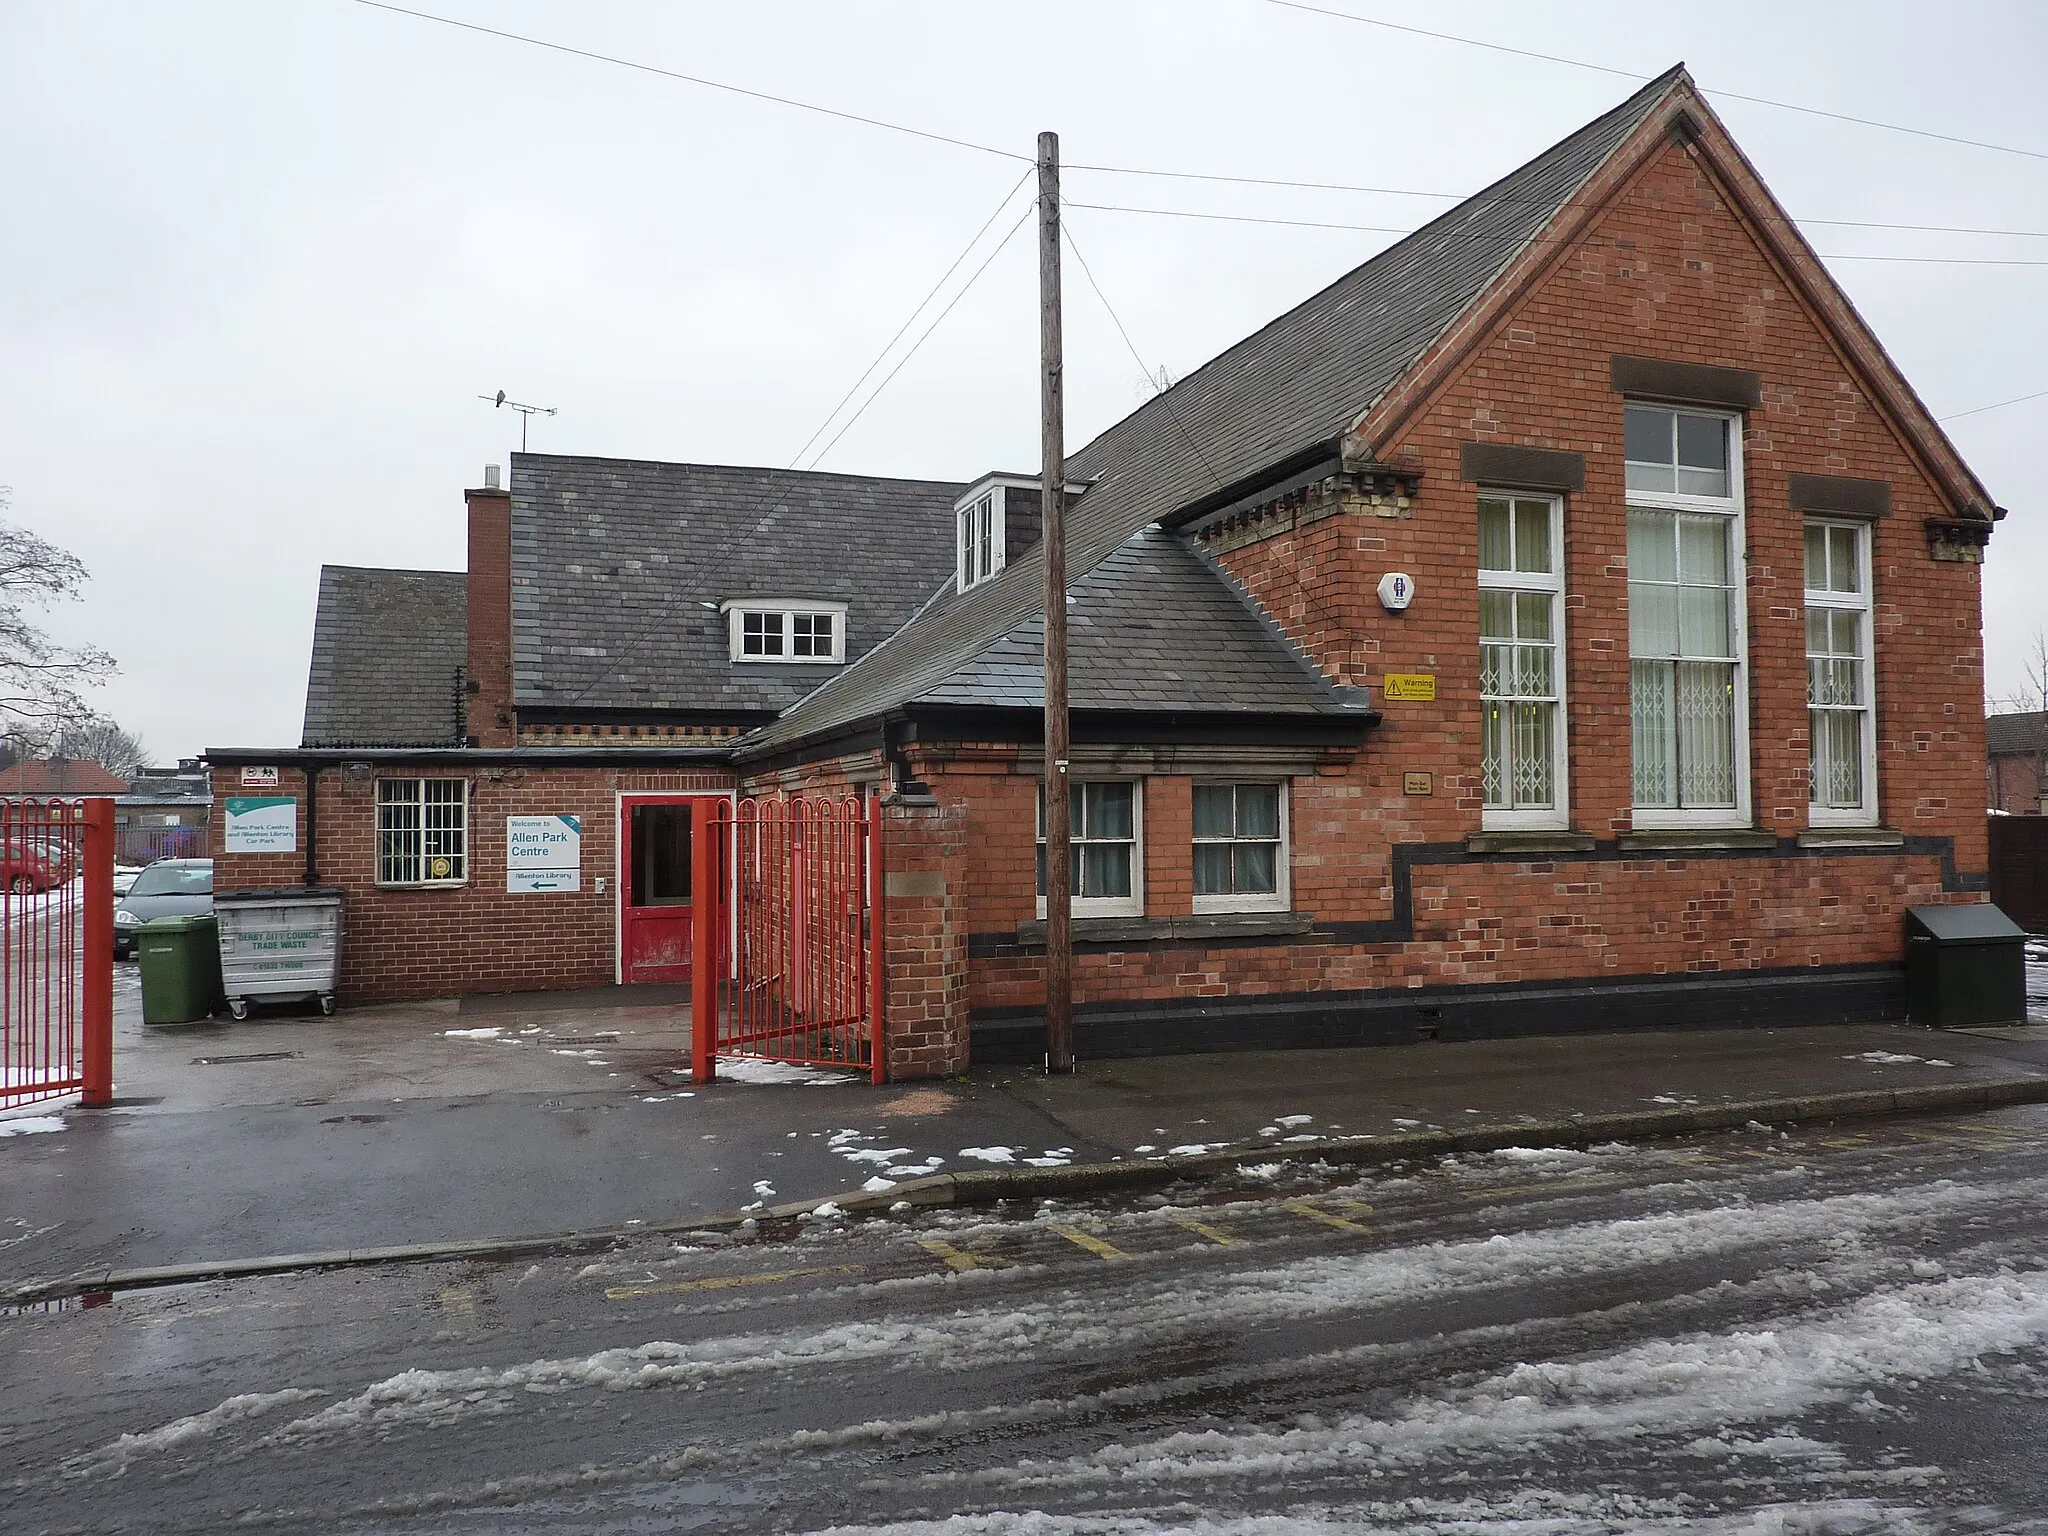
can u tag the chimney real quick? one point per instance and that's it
(488, 676)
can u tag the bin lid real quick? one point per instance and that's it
(185, 922)
(272, 895)
(1977, 923)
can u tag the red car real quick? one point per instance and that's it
(26, 868)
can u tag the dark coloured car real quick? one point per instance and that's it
(168, 888)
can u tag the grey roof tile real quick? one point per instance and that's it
(615, 560)
(1297, 383)
(387, 647)
(2021, 732)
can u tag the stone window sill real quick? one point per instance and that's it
(1680, 839)
(1852, 837)
(1219, 925)
(1530, 842)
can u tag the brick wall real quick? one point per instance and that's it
(2017, 784)
(477, 937)
(1668, 272)
(492, 720)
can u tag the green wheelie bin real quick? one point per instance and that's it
(180, 958)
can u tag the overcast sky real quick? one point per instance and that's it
(259, 259)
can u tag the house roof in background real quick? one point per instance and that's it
(614, 562)
(2024, 731)
(59, 776)
(387, 649)
(1294, 386)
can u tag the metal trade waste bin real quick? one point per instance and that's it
(279, 945)
(1965, 965)
(180, 959)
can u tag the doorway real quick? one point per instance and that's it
(654, 888)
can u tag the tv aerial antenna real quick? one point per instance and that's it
(526, 413)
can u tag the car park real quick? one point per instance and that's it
(167, 888)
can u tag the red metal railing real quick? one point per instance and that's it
(56, 950)
(789, 967)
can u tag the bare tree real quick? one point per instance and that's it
(40, 680)
(101, 740)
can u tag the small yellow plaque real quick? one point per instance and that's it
(1417, 784)
(1411, 687)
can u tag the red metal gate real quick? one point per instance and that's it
(56, 950)
(791, 969)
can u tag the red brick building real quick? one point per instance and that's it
(2016, 760)
(1567, 619)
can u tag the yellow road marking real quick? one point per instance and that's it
(954, 1258)
(1092, 1243)
(1303, 1208)
(1845, 1142)
(1202, 1229)
(726, 1282)
(458, 1303)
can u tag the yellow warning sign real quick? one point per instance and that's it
(1410, 687)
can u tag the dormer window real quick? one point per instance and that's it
(981, 546)
(808, 633)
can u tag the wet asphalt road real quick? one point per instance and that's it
(1819, 1332)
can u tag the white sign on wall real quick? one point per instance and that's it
(262, 824)
(543, 853)
(259, 778)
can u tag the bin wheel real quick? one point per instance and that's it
(327, 1002)
(238, 1007)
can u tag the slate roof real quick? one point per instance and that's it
(2020, 732)
(1154, 627)
(613, 561)
(1297, 383)
(386, 649)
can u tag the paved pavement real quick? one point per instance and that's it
(294, 1133)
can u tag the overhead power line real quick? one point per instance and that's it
(1459, 197)
(708, 84)
(1254, 181)
(779, 480)
(1630, 74)
(1387, 229)
(1979, 410)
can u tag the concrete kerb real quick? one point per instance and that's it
(988, 1186)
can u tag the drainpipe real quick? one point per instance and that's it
(312, 825)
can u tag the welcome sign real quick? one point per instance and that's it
(543, 853)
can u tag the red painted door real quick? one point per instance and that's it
(654, 898)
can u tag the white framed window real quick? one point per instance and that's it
(1240, 847)
(1688, 641)
(1841, 729)
(980, 552)
(422, 831)
(787, 631)
(1521, 660)
(1108, 848)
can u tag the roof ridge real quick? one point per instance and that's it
(746, 469)
(1652, 90)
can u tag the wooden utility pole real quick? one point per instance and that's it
(1059, 937)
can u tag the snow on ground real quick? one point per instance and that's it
(747, 1069)
(990, 1154)
(1887, 1058)
(1692, 1386)
(490, 1033)
(1524, 1512)
(17, 1124)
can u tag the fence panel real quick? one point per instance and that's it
(794, 956)
(56, 950)
(2019, 869)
